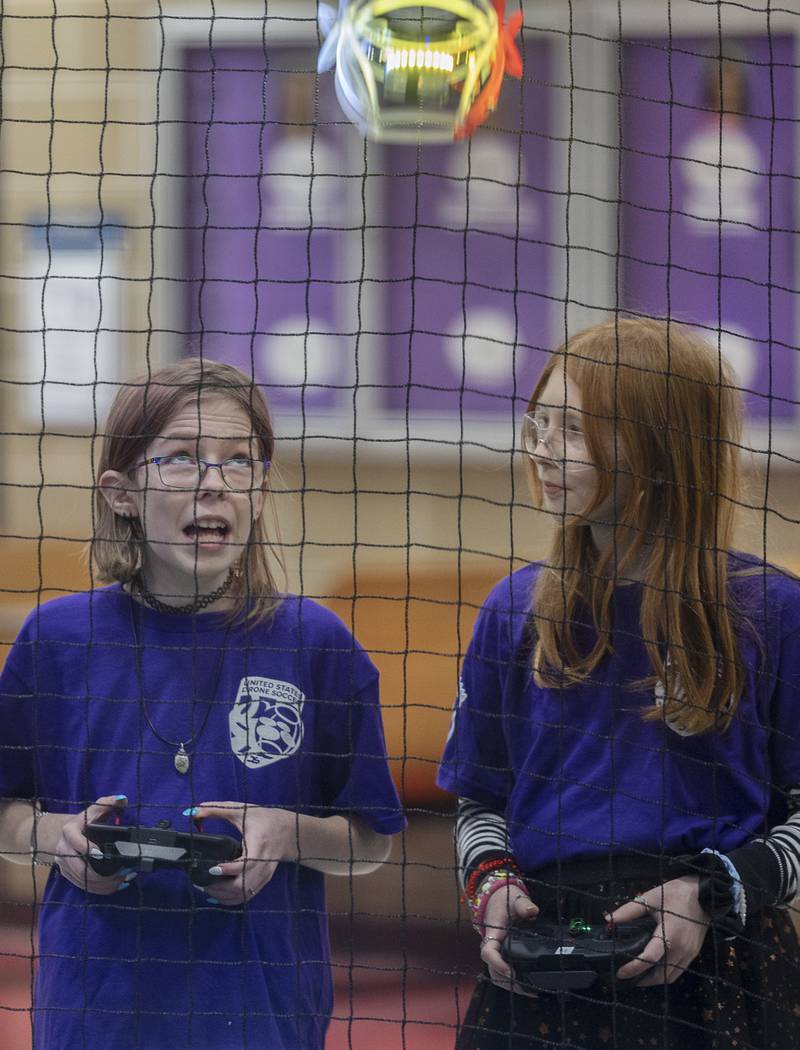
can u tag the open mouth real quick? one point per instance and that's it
(207, 531)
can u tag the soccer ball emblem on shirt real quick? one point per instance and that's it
(266, 721)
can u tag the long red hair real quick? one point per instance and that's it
(661, 405)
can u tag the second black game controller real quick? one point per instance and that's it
(552, 957)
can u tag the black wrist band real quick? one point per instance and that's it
(760, 872)
(715, 891)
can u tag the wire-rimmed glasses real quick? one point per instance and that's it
(564, 439)
(185, 472)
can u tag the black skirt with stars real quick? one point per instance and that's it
(740, 994)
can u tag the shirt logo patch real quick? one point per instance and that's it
(672, 721)
(677, 692)
(266, 721)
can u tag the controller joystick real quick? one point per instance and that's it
(199, 869)
(105, 861)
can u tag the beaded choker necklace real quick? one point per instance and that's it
(201, 602)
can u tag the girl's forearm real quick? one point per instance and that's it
(481, 834)
(337, 845)
(17, 839)
(16, 825)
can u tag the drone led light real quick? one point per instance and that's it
(420, 58)
(427, 72)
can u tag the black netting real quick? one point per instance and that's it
(183, 196)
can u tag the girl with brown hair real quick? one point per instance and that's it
(624, 743)
(205, 693)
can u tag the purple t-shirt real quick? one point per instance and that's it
(579, 773)
(294, 722)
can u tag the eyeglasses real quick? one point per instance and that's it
(565, 439)
(185, 472)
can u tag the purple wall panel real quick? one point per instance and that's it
(492, 282)
(263, 248)
(248, 279)
(710, 213)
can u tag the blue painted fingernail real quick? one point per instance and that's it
(124, 886)
(121, 798)
(191, 812)
(216, 870)
(131, 876)
(212, 900)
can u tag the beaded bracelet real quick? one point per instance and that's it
(498, 880)
(483, 869)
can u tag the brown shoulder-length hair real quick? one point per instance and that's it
(140, 412)
(660, 405)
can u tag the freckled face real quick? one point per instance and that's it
(557, 445)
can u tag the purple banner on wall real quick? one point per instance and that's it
(470, 260)
(709, 214)
(268, 222)
(467, 303)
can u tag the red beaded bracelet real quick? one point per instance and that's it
(483, 869)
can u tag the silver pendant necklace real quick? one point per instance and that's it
(181, 760)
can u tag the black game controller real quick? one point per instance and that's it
(551, 957)
(147, 849)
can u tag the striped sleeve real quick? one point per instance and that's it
(768, 868)
(481, 834)
(784, 842)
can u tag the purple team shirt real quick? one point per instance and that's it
(295, 723)
(579, 773)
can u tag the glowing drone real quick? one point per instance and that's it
(419, 73)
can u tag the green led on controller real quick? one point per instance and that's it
(579, 926)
